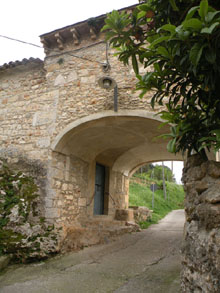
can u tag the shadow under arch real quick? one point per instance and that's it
(121, 140)
(113, 143)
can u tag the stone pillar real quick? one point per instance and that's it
(118, 189)
(201, 244)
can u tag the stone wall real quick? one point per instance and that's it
(24, 232)
(39, 103)
(37, 100)
(26, 110)
(201, 245)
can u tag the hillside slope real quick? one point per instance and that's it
(141, 195)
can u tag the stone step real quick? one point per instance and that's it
(97, 231)
(111, 226)
(101, 224)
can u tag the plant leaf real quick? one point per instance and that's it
(159, 40)
(144, 7)
(157, 68)
(163, 51)
(203, 9)
(196, 53)
(173, 4)
(210, 15)
(168, 27)
(135, 64)
(141, 14)
(171, 146)
(193, 23)
(209, 30)
(191, 12)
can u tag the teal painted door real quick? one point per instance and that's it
(99, 190)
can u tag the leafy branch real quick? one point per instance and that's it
(180, 50)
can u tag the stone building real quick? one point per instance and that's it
(83, 141)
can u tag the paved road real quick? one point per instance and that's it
(147, 261)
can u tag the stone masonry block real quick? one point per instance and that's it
(82, 202)
(124, 215)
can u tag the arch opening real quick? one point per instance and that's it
(117, 141)
(155, 189)
(121, 141)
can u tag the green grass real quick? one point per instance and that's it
(141, 195)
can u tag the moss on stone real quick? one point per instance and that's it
(22, 228)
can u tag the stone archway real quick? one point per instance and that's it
(121, 140)
(117, 141)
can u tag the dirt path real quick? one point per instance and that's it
(147, 261)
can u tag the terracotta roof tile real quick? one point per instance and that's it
(18, 63)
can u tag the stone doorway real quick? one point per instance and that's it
(99, 190)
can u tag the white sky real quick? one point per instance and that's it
(27, 19)
(177, 169)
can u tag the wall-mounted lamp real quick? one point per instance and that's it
(107, 82)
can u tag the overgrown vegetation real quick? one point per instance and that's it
(178, 43)
(141, 195)
(23, 232)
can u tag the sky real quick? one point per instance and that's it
(26, 20)
(177, 169)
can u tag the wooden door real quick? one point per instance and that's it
(99, 190)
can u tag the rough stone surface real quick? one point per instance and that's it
(144, 262)
(201, 246)
(24, 233)
(124, 215)
(4, 261)
(55, 118)
(141, 214)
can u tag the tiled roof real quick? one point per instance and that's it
(75, 33)
(58, 37)
(18, 63)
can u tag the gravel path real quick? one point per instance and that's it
(147, 261)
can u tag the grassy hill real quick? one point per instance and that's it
(141, 195)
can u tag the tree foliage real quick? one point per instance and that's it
(145, 169)
(156, 172)
(178, 42)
